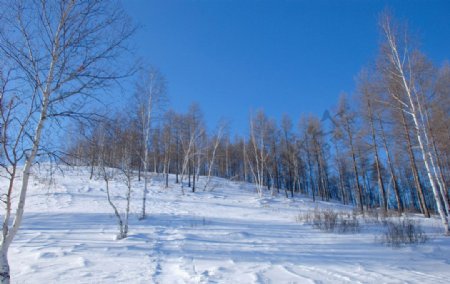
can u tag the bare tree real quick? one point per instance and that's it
(150, 94)
(305, 146)
(197, 131)
(61, 53)
(340, 161)
(191, 132)
(288, 154)
(167, 137)
(125, 166)
(346, 120)
(115, 146)
(258, 154)
(105, 169)
(393, 179)
(214, 145)
(368, 104)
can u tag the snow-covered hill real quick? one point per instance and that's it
(227, 235)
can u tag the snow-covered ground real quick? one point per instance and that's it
(227, 235)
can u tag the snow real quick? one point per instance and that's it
(228, 235)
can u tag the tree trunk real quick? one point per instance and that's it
(146, 168)
(391, 168)
(127, 210)
(113, 206)
(194, 170)
(177, 167)
(355, 168)
(412, 162)
(167, 173)
(339, 167)
(139, 172)
(310, 169)
(189, 172)
(366, 187)
(377, 159)
(437, 167)
(92, 171)
(11, 233)
(319, 178)
(244, 154)
(193, 180)
(5, 276)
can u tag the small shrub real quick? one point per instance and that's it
(378, 216)
(406, 231)
(304, 217)
(373, 216)
(349, 225)
(325, 220)
(330, 221)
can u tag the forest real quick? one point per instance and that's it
(385, 146)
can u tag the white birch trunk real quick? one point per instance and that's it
(211, 162)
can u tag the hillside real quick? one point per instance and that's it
(227, 235)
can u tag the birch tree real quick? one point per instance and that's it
(150, 94)
(258, 152)
(115, 149)
(215, 142)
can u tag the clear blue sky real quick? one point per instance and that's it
(291, 57)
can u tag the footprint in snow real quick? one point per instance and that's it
(45, 255)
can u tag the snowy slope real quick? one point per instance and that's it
(228, 235)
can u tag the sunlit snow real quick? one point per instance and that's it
(224, 235)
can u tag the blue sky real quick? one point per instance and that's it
(294, 57)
